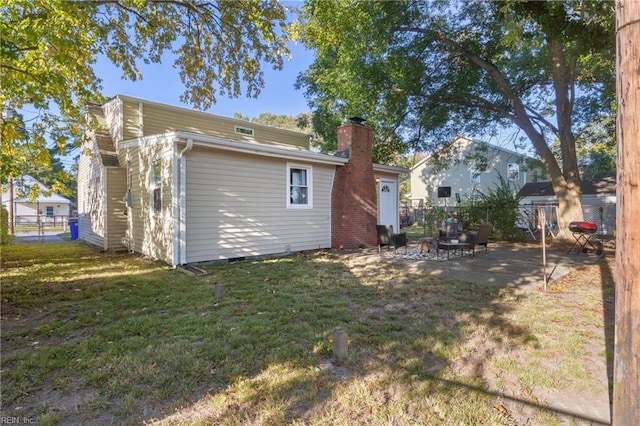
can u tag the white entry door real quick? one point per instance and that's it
(388, 204)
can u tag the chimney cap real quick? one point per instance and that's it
(357, 120)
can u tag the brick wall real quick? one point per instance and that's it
(354, 199)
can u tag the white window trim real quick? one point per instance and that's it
(517, 166)
(309, 170)
(475, 180)
(153, 187)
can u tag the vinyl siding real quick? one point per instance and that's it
(425, 181)
(159, 119)
(149, 234)
(91, 203)
(130, 120)
(31, 209)
(113, 117)
(116, 219)
(236, 207)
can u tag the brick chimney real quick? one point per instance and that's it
(354, 202)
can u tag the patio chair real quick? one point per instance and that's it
(450, 231)
(481, 237)
(386, 237)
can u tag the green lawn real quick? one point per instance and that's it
(101, 338)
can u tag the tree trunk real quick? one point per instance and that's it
(626, 375)
(568, 190)
(569, 206)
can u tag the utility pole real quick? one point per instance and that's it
(12, 208)
(626, 375)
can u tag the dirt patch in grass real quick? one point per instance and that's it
(103, 338)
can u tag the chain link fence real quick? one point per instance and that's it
(432, 218)
(603, 215)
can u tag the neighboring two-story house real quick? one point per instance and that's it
(465, 167)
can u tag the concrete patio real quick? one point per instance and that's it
(505, 264)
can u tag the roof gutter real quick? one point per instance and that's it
(261, 149)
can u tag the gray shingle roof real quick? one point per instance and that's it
(536, 189)
(103, 138)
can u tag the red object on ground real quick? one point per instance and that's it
(583, 227)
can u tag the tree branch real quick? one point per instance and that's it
(489, 67)
(520, 118)
(20, 49)
(539, 118)
(123, 7)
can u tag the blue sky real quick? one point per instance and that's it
(161, 83)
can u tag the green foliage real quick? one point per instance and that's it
(5, 238)
(434, 217)
(406, 161)
(498, 206)
(48, 49)
(597, 149)
(424, 72)
(29, 155)
(299, 123)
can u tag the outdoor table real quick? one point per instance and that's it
(448, 246)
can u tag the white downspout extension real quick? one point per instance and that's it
(180, 207)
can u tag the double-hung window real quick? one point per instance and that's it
(513, 171)
(475, 176)
(299, 188)
(156, 188)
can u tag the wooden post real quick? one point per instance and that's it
(626, 389)
(219, 291)
(12, 208)
(340, 345)
(542, 219)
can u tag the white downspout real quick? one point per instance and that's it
(180, 207)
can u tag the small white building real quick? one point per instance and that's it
(45, 208)
(598, 201)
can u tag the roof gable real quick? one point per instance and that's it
(465, 144)
(23, 185)
(149, 118)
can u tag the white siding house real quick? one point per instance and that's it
(44, 207)
(467, 167)
(184, 186)
(598, 201)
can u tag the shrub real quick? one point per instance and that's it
(5, 238)
(500, 205)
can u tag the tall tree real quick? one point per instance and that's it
(32, 157)
(427, 71)
(626, 375)
(48, 49)
(596, 147)
(299, 123)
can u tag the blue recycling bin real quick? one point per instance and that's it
(73, 228)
